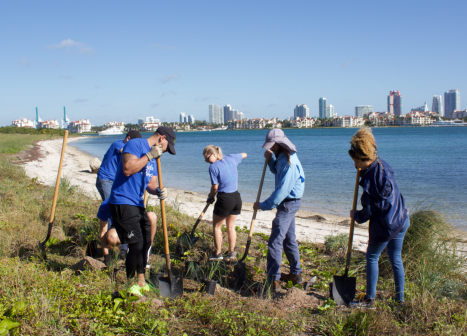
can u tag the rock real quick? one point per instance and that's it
(94, 164)
(155, 302)
(89, 263)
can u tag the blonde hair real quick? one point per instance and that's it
(363, 145)
(208, 150)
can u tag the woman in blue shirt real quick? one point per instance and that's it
(224, 182)
(289, 187)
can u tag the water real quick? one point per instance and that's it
(430, 165)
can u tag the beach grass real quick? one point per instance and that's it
(47, 296)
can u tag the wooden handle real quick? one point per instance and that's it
(145, 198)
(57, 184)
(352, 223)
(257, 198)
(164, 223)
(199, 219)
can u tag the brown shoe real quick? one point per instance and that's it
(295, 278)
(276, 286)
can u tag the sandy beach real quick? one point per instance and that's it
(310, 226)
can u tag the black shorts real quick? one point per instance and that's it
(131, 222)
(228, 204)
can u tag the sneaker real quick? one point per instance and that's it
(365, 304)
(231, 256)
(295, 278)
(216, 257)
(148, 265)
(276, 286)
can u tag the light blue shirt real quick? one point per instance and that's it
(289, 180)
(224, 173)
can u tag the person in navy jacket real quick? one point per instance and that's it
(383, 205)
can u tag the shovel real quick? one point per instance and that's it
(186, 241)
(240, 267)
(168, 286)
(343, 286)
(54, 203)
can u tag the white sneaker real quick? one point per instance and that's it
(149, 253)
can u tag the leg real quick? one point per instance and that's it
(133, 261)
(112, 237)
(231, 233)
(102, 236)
(394, 253)
(217, 224)
(143, 257)
(280, 226)
(153, 220)
(104, 187)
(372, 256)
(290, 241)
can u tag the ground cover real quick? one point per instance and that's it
(45, 296)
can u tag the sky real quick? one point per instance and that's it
(122, 60)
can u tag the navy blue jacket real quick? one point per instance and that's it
(382, 203)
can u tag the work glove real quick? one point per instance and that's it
(161, 193)
(210, 199)
(155, 152)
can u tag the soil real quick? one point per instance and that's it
(296, 298)
(89, 262)
(33, 154)
(317, 218)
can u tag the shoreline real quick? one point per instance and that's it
(310, 226)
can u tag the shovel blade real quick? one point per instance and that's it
(170, 287)
(343, 289)
(239, 274)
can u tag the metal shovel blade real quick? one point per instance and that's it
(170, 287)
(343, 289)
(239, 273)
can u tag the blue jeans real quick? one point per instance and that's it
(104, 187)
(283, 237)
(394, 253)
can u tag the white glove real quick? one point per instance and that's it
(155, 152)
(161, 193)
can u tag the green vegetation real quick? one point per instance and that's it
(47, 296)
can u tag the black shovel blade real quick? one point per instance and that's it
(343, 289)
(170, 287)
(239, 274)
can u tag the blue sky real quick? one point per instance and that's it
(121, 60)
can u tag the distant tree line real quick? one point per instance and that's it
(24, 130)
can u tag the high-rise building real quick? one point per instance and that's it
(216, 114)
(301, 111)
(423, 108)
(239, 116)
(191, 118)
(437, 105)
(323, 107)
(183, 118)
(227, 113)
(360, 110)
(330, 111)
(395, 103)
(452, 102)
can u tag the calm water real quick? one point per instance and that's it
(430, 165)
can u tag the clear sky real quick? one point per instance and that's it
(122, 60)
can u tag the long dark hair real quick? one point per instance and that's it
(283, 150)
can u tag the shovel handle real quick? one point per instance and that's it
(252, 225)
(164, 223)
(145, 197)
(352, 224)
(57, 185)
(199, 219)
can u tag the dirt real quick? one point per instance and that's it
(33, 154)
(317, 218)
(89, 262)
(296, 298)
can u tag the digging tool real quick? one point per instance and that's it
(186, 241)
(54, 203)
(168, 286)
(240, 267)
(145, 197)
(343, 286)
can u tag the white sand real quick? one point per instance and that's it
(76, 169)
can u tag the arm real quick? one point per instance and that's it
(153, 185)
(244, 155)
(286, 183)
(213, 191)
(361, 216)
(132, 165)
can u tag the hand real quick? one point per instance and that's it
(256, 206)
(161, 193)
(210, 199)
(268, 155)
(352, 212)
(155, 152)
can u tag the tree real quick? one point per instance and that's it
(286, 123)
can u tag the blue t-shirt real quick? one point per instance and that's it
(130, 189)
(104, 212)
(224, 173)
(110, 161)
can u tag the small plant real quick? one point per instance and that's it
(211, 270)
(336, 243)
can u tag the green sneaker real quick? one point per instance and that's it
(136, 290)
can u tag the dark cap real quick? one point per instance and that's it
(133, 134)
(170, 137)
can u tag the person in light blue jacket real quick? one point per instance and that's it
(289, 187)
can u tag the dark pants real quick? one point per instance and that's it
(283, 238)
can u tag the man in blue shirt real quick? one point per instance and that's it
(137, 172)
(290, 184)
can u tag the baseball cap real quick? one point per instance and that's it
(170, 136)
(277, 136)
(133, 134)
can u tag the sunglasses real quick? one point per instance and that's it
(207, 159)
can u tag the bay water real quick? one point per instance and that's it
(430, 165)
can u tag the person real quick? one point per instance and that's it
(106, 176)
(224, 183)
(289, 187)
(383, 205)
(137, 172)
(108, 235)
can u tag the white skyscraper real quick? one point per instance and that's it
(301, 111)
(330, 111)
(191, 119)
(452, 102)
(360, 110)
(216, 114)
(323, 108)
(437, 105)
(183, 118)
